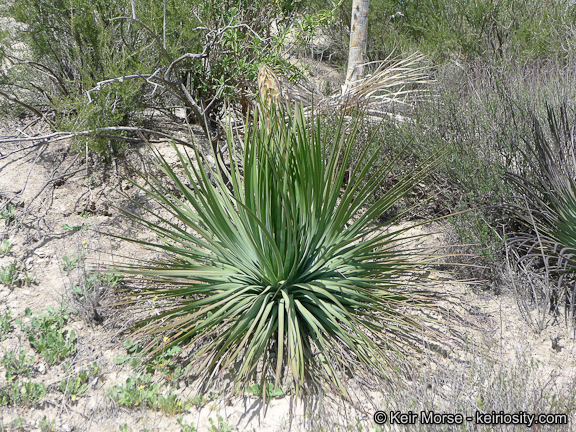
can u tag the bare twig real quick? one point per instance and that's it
(59, 136)
(40, 67)
(164, 26)
(203, 54)
(22, 149)
(133, 9)
(117, 79)
(180, 89)
(19, 102)
(70, 174)
(149, 30)
(19, 194)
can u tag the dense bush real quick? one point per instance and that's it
(100, 63)
(501, 30)
(481, 115)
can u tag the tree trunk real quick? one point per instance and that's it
(358, 42)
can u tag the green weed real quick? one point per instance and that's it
(92, 282)
(271, 392)
(78, 227)
(220, 426)
(46, 425)
(73, 262)
(22, 393)
(139, 390)
(5, 247)
(5, 325)
(7, 214)
(199, 401)
(17, 365)
(131, 356)
(15, 275)
(47, 336)
(18, 424)
(186, 427)
(77, 385)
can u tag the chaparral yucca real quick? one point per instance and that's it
(547, 239)
(277, 266)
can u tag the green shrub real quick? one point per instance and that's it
(100, 64)
(481, 113)
(278, 261)
(496, 30)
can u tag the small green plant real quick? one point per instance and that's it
(199, 401)
(131, 356)
(46, 425)
(20, 393)
(73, 262)
(185, 427)
(17, 365)
(271, 392)
(8, 273)
(47, 336)
(15, 275)
(92, 282)
(124, 428)
(5, 247)
(221, 425)
(171, 404)
(5, 325)
(87, 290)
(167, 366)
(19, 424)
(17, 392)
(75, 386)
(78, 227)
(139, 390)
(7, 214)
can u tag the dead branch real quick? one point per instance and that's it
(120, 79)
(202, 55)
(180, 89)
(70, 174)
(24, 104)
(40, 67)
(100, 132)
